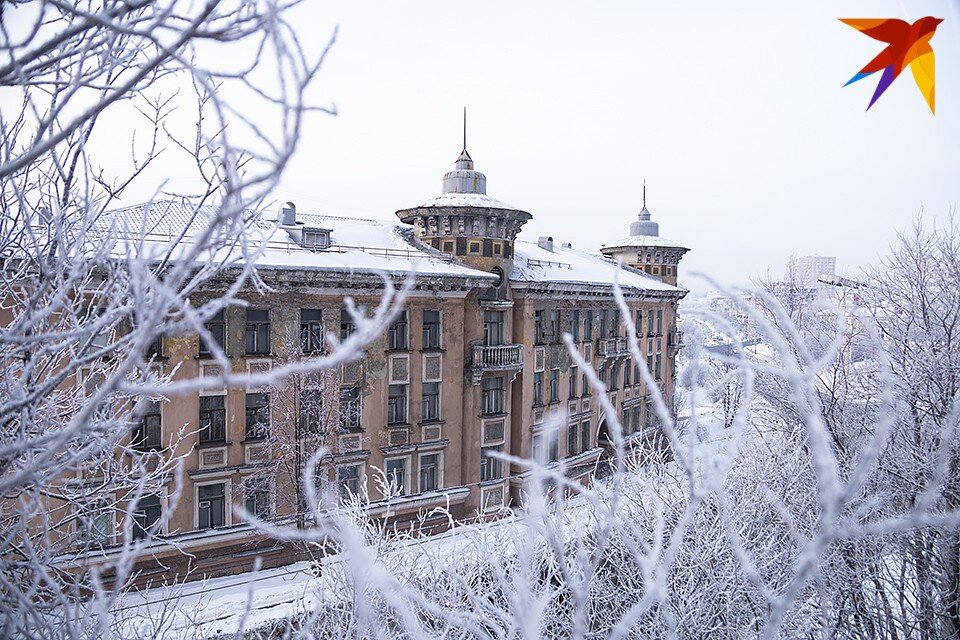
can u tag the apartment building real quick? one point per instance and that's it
(473, 365)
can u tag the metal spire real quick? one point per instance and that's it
(464, 128)
(644, 193)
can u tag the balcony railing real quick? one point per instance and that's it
(503, 357)
(612, 347)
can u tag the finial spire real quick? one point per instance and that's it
(644, 193)
(464, 128)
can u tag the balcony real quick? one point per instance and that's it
(675, 338)
(504, 357)
(613, 347)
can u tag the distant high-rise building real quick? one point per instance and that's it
(805, 271)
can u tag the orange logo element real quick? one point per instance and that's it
(907, 44)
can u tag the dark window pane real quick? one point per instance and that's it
(213, 419)
(257, 415)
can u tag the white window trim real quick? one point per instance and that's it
(483, 433)
(440, 468)
(361, 478)
(423, 367)
(227, 502)
(253, 363)
(407, 462)
(390, 378)
(211, 392)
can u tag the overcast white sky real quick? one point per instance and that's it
(734, 113)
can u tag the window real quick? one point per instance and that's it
(553, 447)
(573, 382)
(94, 524)
(588, 325)
(430, 402)
(448, 246)
(538, 388)
(615, 325)
(257, 337)
(211, 506)
(397, 404)
(614, 376)
(603, 323)
(213, 419)
(348, 480)
(555, 385)
(650, 325)
(575, 325)
(146, 517)
(316, 239)
(216, 326)
(147, 432)
(311, 411)
(429, 472)
(257, 421)
(311, 330)
(490, 468)
(639, 322)
(155, 348)
(492, 396)
(585, 435)
(636, 373)
(657, 371)
(626, 374)
(474, 247)
(573, 439)
(539, 331)
(492, 328)
(350, 409)
(256, 497)
(396, 471)
(431, 329)
(397, 334)
(554, 333)
(346, 325)
(586, 386)
(538, 448)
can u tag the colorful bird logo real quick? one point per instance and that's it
(907, 44)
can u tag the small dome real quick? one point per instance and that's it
(464, 179)
(644, 226)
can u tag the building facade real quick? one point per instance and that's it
(474, 365)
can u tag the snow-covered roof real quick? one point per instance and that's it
(472, 200)
(532, 263)
(358, 245)
(642, 241)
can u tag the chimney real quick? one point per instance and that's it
(567, 245)
(288, 215)
(545, 242)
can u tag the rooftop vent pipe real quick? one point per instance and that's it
(288, 215)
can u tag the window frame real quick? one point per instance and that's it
(258, 429)
(428, 329)
(311, 331)
(497, 396)
(438, 471)
(225, 497)
(216, 326)
(436, 414)
(206, 435)
(256, 334)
